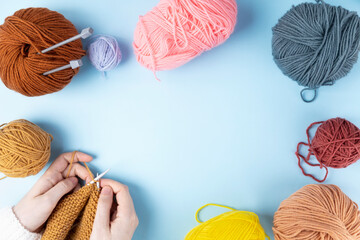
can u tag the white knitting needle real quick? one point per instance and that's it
(85, 33)
(98, 177)
(73, 64)
(97, 183)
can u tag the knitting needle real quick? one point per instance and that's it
(85, 33)
(73, 64)
(97, 183)
(98, 177)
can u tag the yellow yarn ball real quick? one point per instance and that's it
(233, 225)
(24, 148)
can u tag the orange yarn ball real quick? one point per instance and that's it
(24, 148)
(317, 212)
(22, 37)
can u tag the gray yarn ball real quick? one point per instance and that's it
(316, 44)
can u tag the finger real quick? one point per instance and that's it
(102, 217)
(77, 187)
(59, 190)
(77, 170)
(53, 175)
(45, 183)
(62, 162)
(125, 203)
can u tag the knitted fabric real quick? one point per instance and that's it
(74, 215)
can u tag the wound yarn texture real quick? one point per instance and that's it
(234, 225)
(104, 53)
(24, 148)
(336, 144)
(24, 35)
(176, 31)
(316, 44)
(317, 212)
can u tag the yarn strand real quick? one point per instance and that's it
(210, 204)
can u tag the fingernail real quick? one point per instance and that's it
(106, 191)
(74, 180)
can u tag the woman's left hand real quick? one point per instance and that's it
(35, 208)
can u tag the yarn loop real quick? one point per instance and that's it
(303, 97)
(336, 144)
(316, 44)
(317, 212)
(24, 148)
(176, 31)
(22, 38)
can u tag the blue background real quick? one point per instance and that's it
(222, 128)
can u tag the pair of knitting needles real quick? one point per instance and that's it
(98, 178)
(85, 33)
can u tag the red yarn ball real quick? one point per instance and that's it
(336, 144)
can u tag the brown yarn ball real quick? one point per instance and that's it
(22, 37)
(317, 212)
(24, 148)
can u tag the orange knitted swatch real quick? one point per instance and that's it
(74, 215)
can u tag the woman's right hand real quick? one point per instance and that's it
(114, 220)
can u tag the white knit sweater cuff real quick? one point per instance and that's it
(11, 228)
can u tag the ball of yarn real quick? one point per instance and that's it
(316, 44)
(317, 212)
(22, 37)
(24, 148)
(176, 31)
(104, 53)
(234, 225)
(336, 144)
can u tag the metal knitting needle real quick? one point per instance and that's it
(73, 64)
(98, 177)
(97, 183)
(85, 33)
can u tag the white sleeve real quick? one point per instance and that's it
(11, 228)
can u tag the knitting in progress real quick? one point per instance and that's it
(316, 44)
(74, 215)
(317, 212)
(22, 38)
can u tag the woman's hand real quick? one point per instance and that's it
(114, 220)
(35, 208)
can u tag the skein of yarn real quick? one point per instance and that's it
(317, 212)
(336, 144)
(104, 53)
(24, 148)
(316, 44)
(22, 38)
(176, 31)
(234, 225)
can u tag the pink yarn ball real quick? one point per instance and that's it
(176, 31)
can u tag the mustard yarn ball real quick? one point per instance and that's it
(234, 225)
(24, 148)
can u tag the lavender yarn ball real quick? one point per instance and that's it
(104, 53)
